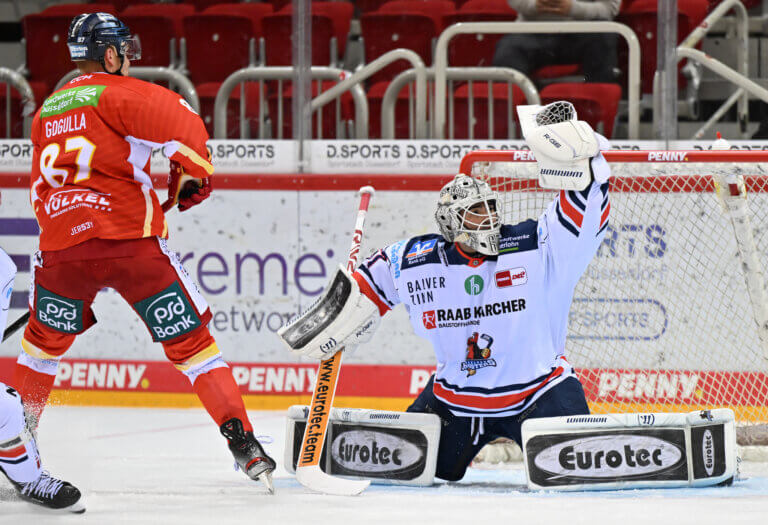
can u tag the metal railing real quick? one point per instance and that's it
(739, 76)
(182, 83)
(471, 74)
(15, 79)
(281, 74)
(420, 76)
(441, 59)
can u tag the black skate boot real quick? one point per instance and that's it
(249, 455)
(51, 493)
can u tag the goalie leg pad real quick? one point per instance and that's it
(627, 451)
(342, 316)
(390, 447)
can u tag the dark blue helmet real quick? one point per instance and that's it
(90, 34)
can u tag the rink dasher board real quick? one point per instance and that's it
(254, 281)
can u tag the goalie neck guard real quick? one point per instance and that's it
(453, 214)
(90, 34)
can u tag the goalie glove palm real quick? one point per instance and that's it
(341, 317)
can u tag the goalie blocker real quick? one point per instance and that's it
(390, 447)
(627, 451)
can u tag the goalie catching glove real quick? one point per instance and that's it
(563, 146)
(341, 317)
(184, 189)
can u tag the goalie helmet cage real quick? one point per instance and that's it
(671, 315)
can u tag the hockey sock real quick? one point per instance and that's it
(34, 387)
(220, 396)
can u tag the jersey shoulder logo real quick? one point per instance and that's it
(73, 98)
(421, 250)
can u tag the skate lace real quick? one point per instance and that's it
(44, 487)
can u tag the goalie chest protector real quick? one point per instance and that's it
(497, 324)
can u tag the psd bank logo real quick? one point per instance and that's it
(168, 314)
(60, 313)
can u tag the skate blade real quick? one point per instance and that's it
(266, 478)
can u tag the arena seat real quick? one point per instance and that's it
(472, 50)
(438, 10)
(202, 5)
(595, 103)
(641, 16)
(175, 12)
(340, 13)
(328, 124)
(383, 32)
(17, 120)
(72, 10)
(155, 33)
(480, 125)
(253, 11)
(278, 34)
(47, 55)
(375, 97)
(217, 46)
(483, 6)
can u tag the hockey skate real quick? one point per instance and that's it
(51, 493)
(249, 455)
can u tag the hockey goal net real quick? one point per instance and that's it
(671, 315)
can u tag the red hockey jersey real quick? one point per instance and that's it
(93, 140)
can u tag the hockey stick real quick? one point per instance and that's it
(18, 323)
(308, 470)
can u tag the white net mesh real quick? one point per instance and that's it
(662, 319)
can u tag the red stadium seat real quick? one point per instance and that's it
(72, 10)
(47, 55)
(383, 32)
(278, 35)
(328, 124)
(17, 120)
(595, 103)
(120, 5)
(471, 50)
(201, 5)
(207, 97)
(641, 16)
(368, 6)
(217, 46)
(480, 124)
(176, 12)
(155, 33)
(375, 97)
(253, 11)
(438, 10)
(484, 6)
(340, 12)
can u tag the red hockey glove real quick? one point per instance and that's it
(185, 190)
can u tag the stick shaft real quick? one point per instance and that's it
(328, 374)
(18, 323)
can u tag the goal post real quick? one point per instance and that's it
(671, 315)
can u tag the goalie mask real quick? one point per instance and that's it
(468, 212)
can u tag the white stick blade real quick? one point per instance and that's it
(315, 479)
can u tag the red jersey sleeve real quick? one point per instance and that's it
(161, 118)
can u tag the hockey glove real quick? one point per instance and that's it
(185, 190)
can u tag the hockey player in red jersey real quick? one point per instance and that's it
(102, 225)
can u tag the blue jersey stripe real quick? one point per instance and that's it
(567, 225)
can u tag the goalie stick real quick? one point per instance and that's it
(308, 470)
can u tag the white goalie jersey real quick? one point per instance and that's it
(497, 323)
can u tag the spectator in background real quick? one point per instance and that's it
(596, 52)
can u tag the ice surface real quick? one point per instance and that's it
(160, 466)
